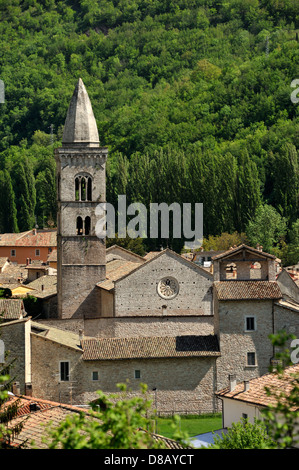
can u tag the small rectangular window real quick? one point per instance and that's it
(37, 253)
(12, 252)
(95, 375)
(244, 416)
(137, 374)
(251, 359)
(250, 323)
(64, 371)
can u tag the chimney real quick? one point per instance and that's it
(16, 388)
(81, 335)
(28, 390)
(232, 382)
(246, 385)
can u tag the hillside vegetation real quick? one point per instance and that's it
(192, 97)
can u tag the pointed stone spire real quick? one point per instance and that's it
(80, 125)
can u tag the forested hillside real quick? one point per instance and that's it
(192, 97)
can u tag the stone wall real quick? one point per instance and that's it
(288, 287)
(286, 318)
(137, 294)
(77, 294)
(235, 342)
(46, 357)
(68, 324)
(149, 326)
(183, 384)
(16, 337)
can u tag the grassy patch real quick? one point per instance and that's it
(192, 424)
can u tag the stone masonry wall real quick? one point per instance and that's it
(149, 326)
(137, 293)
(15, 335)
(183, 384)
(235, 342)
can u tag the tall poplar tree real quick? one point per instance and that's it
(8, 211)
(285, 180)
(248, 191)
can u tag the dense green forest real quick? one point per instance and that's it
(192, 98)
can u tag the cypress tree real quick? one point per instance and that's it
(25, 212)
(248, 192)
(285, 179)
(8, 209)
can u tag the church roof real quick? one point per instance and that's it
(115, 270)
(247, 290)
(80, 125)
(149, 347)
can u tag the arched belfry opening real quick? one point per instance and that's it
(83, 188)
(87, 224)
(79, 226)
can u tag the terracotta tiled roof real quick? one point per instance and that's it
(34, 422)
(149, 347)
(246, 290)
(256, 394)
(11, 309)
(169, 443)
(151, 254)
(30, 238)
(227, 253)
(115, 270)
(120, 249)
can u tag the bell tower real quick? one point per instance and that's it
(81, 186)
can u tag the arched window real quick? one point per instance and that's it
(79, 226)
(89, 190)
(83, 188)
(77, 190)
(87, 225)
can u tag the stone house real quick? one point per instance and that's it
(244, 311)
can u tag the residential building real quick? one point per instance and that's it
(247, 399)
(31, 245)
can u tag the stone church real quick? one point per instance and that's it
(161, 320)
